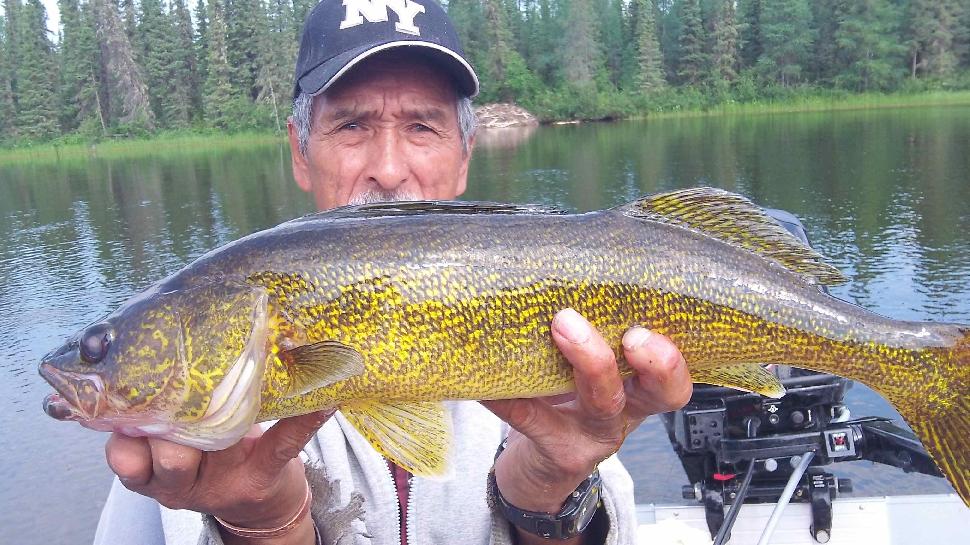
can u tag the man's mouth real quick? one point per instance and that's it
(78, 397)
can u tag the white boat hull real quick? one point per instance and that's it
(936, 519)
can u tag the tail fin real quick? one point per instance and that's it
(944, 429)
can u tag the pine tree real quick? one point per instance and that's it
(80, 62)
(216, 101)
(128, 9)
(278, 56)
(301, 8)
(787, 39)
(649, 61)
(613, 36)
(201, 47)
(932, 24)
(582, 52)
(36, 70)
(185, 69)
(469, 19)
(544, 62)
(245, 24)
(825, 21)
(751, 40)
(506, 76)
(963, 36)
(8, 93)
(868, 55)
(693, 60)
(156, 52)
(123, 90)
(7, 111)
(724, 43)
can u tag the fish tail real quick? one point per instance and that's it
(943, 423)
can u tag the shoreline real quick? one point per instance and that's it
(203, 141)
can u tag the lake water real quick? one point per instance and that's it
(884, 194)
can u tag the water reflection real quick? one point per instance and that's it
(883, 194)
(503, 137)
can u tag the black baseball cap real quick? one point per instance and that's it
(338, 34)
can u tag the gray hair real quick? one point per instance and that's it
(303, 110)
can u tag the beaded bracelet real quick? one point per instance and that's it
(266, 533)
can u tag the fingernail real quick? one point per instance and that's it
(572, 326)
(636, 337)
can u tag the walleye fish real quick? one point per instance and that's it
(385, 310)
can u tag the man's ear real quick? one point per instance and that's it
(301, 170)
(463, 170)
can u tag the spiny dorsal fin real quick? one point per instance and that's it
(316, 365)
(734, 219)
(416, 208)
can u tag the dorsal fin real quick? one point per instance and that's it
(409, 208)
(734, 219)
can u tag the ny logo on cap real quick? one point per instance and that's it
(375, 11)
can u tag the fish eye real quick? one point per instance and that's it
(94, 343)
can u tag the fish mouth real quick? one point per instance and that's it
(79, 396)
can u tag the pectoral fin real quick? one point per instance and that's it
(320, 364)
(413, 435)
(749, 377)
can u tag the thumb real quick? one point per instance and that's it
(285, 439)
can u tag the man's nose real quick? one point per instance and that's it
(389, 167)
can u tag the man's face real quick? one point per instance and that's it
(388, 130)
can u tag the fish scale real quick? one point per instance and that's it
(386, 310)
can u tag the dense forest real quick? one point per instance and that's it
(120, 67)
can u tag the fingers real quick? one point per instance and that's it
(130, 458)
(599, 387)
(662, 382)
(284, 441)
(533, 418)
(174, 466)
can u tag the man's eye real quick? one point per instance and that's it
(421, 127)
(351, 126)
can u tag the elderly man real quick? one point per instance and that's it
(382, 112)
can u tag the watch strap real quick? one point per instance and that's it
(570, 521)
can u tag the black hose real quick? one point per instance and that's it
(724, 532)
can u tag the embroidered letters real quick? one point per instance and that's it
(376, 11)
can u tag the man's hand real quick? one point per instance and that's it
(257, 483)
(558, 446)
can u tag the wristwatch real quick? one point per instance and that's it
(571, 520)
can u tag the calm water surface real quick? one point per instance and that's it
(885, 195)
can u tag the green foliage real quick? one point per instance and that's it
(184, 61)
(218, 93)
(166, 72)
(79, 67)
(200, 47)
(246, 24)
(723, 46)
(36, 75)
(582, 51)
(932, 32)
(648, 75)
(7, 108)
(692, 63)
(135, 67)
(752, 44)
(787, 40)
(867, 57)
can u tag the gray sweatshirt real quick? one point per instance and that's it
(355, 501)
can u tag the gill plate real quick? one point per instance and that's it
(235, 401)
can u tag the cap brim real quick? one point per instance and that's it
(323, 76)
